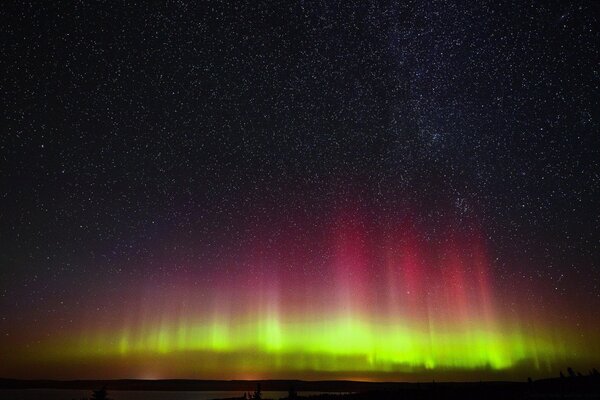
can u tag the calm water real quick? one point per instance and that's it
(60, 394)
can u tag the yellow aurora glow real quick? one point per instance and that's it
(416, 310)
(337, 347)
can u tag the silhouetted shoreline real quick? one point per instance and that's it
(570, 387)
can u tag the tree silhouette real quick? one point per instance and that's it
(257, 393)
(100, 394)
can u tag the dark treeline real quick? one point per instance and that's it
(570, 385)
(575, 385)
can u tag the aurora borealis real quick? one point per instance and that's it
(385, 301)
(300, 191)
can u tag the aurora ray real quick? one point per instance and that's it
(391, 301)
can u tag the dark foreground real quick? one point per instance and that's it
(574, 387)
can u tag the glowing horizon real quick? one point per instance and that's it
(398, 305)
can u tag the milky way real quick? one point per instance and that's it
(300, 190)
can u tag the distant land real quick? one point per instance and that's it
(572, 387)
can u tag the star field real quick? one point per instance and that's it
(149, 150)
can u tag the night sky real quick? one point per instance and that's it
(333, 189)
